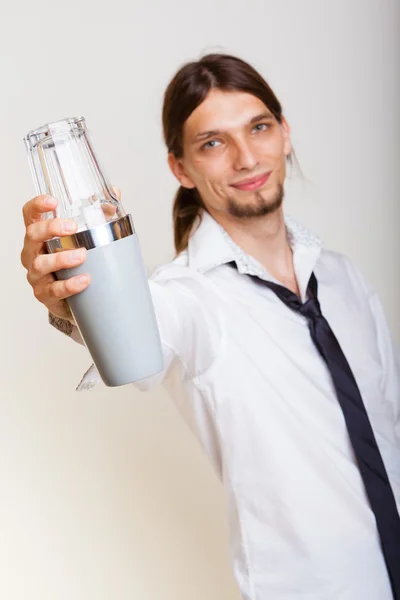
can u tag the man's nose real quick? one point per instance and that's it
(243, 156)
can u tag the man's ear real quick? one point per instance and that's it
(178, 170)
(287, 144)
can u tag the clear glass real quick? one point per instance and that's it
(64, 165)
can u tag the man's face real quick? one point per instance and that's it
(234, 153)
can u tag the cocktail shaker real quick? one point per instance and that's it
(115, 313)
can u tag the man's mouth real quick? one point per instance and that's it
(247, 185)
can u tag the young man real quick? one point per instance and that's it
(277, 353)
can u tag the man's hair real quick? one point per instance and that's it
(185, 92)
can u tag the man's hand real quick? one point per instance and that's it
(40, 266)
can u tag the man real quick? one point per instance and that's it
(297, 410)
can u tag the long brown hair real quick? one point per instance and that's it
(186, 91)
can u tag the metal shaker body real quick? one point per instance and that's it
(115, 314)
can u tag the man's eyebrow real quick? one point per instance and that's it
(261, 117)
(207, 134)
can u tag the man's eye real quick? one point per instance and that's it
(211, 144)
(261, 127)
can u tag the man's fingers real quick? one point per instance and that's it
(117, 192)
(39, 232)
(43, 264)
(59, 290)
(44, 230)
(35, 208)
(51, 292)
(109, 210)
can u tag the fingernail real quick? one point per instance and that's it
(49, 201)
(82, 279)
(69, 227)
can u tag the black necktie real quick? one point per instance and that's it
(370, 463)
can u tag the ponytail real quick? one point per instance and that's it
(187, 205)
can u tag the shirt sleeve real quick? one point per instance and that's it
(388, 351)
(390, 358)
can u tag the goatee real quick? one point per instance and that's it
(260, 208)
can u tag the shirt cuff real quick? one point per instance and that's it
(90, 379)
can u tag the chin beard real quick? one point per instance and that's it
(260, 208)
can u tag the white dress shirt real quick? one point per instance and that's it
(246, 377)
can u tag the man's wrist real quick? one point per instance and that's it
(65, 325)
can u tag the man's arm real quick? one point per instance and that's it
(390, 358)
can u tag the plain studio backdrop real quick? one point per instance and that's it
(107, 494)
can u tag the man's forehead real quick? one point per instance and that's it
(223, 110)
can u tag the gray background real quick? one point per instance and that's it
(107, 495)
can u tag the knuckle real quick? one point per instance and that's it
(23, 258)
(30, 232)
(52, 292)
(37, 264)
(69, 286)
(56, 290)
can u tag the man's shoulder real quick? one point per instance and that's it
(334, 265)
(177, 268)
(335, 258)
(179, 289)
(181, 283)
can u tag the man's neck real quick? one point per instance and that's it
(265, 239)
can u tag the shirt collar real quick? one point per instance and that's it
(210, 246)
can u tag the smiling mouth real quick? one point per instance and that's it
(252, 184)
